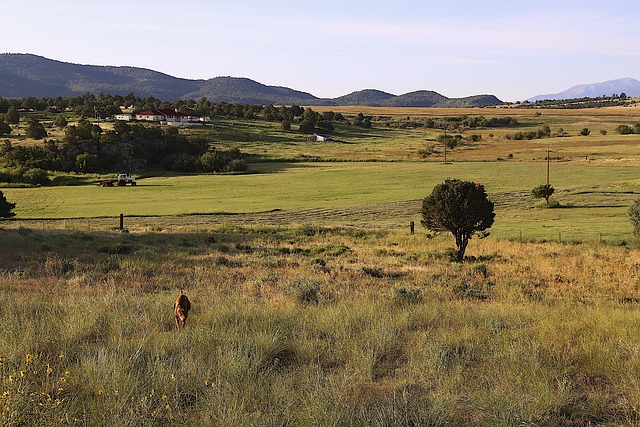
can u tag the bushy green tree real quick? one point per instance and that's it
(60, 121)
(542, 191)
(460, 207)
(36, 176)
(624, 130)
(309, 121)
(634, 216)
(6, 208)
(12, 116)
(4, 128)
(35, 130)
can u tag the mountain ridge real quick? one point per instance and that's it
(23, 75)
(627, 85)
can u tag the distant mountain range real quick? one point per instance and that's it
(23, 75)
(628, 86)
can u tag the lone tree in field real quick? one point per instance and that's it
(634, 216)
(6, 207)
(461, 207)
(542, 191)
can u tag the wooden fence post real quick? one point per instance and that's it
(121, 221)
(412, 227)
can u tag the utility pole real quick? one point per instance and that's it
(445, 145)
(548, 167)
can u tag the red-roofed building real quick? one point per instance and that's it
(163, 115)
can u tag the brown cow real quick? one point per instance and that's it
(181, 309)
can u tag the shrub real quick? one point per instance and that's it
(307, 290)
(6, 208)
(634, 216)
(36, 176)
(624, 130)
(548, 205)
(35, 130)
(376, 272)
(542, 191)
(404, 296)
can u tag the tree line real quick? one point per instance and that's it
(462, 122)
(87, 148)
(105, 105)
(614, 100)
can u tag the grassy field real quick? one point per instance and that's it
(312, 303)
(315, 326)
(595, 195)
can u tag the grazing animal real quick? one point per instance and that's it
(181, 309)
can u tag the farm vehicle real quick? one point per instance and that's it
(122, 180)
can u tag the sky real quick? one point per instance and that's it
(514, 49)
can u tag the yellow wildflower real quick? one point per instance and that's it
(29, 358)
(173, 376)
(164, 397)
(61, 356)
(49, 369)
(115, 391)
(167, 407)
(22, 373)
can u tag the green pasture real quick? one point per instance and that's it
(594, 196)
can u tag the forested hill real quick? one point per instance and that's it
(25, 75)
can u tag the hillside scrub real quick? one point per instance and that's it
(290, 326)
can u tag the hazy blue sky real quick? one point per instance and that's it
(513, 49)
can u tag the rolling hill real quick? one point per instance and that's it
(24, 75)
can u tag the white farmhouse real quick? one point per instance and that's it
(163, 116)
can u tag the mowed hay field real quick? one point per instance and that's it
(312, 302)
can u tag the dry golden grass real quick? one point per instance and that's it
(309, 325)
